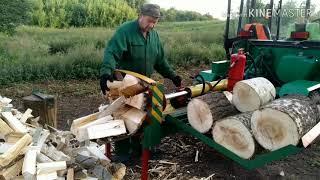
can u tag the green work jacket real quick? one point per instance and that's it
(129, 50)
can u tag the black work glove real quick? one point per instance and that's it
(177, 81)
(103, 82)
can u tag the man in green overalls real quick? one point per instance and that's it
(136, 47)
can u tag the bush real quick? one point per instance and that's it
(12, 14)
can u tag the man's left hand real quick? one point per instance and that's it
(177, 81)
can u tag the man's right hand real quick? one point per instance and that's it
(103, 82)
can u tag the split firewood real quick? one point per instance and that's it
(133, 119)
(249, 95)
(14, 123)
(4, 128)
(15, 150)
(45, 168)
(29, 165)
(26, 116)
(137, 101)
(234, 133)
(70, 174)
(114, 106)
(13, 137)
(81, 132)
(131, 86)
(12, 171)
(41, 158)
(284, 121)
(53, 153)
(112, 128)
(204, 110)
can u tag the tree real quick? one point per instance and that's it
(12, 14)
(136, 4)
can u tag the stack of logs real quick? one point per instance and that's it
(251, 117)
(29, 150)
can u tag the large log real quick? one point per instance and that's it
(204, 110)
(137, 101)
(283, 122)
(249, 95)
(234, 133)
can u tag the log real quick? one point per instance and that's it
(45, 168)
(283, 122)
(83, 121)
(15, 150)
(133, 119)
(12, 171)
(131, 86)
(204, 110)
(137, 101)
(234, 133)
(29, 165)
(4, 128)
(43, 105)
(249, 95)
(112, 128)
(14, 123)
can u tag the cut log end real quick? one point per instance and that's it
(199, 115)
(235, 136)
(245, 98)
(274, 129)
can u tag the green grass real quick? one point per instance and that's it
(36, 54)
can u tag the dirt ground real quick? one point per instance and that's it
(174, 157)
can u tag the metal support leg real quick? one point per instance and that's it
(145, 164)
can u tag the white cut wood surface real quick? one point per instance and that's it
(29, 164)
(45, 168)
(112, 128)
(234, 133)
(133, 119)
(137, 101)
(26, 115)
(250, 94)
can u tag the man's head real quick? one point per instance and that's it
(149, 16)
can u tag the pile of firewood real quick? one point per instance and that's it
(123, 117)
(29, 150)
(251, 117)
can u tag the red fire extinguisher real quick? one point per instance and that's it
(237, 67)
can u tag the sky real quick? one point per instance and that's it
(217, 8)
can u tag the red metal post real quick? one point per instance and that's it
(145, 164)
